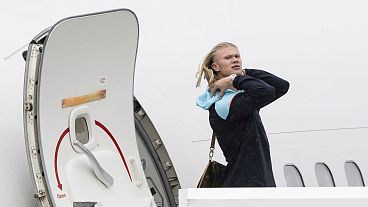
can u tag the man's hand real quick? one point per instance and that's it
(221, 85)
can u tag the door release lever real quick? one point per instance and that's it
(100, 173)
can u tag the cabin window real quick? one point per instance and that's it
(81, 130)
(293, 177)
(324, 175)
(353, 174)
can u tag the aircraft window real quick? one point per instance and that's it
(324, 175)
(353, 174)
(292, 176)
(81, 130)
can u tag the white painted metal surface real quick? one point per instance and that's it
(82, 55)
(319, 46)
(275, 197)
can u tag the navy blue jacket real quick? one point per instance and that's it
(242, 136)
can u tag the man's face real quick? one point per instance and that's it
(227, 61)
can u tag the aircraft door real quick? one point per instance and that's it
(79, 121)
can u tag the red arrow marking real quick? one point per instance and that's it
(66, 131)
(116, 145)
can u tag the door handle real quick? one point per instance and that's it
(100, 173)
(138, 175)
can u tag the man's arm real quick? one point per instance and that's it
(281, 86)
(261, 87)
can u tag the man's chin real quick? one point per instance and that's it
(238, 71)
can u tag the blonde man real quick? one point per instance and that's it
(234, 98)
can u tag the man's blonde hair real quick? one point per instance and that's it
(206, 64)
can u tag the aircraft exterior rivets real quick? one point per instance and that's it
(28, 106)
(39, 175)
(158, 142)
(141, 112)
(168, 164)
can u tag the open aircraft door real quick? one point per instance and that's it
(78, 113)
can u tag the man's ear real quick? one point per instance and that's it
(215, 67)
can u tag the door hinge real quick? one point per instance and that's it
(40, 194)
